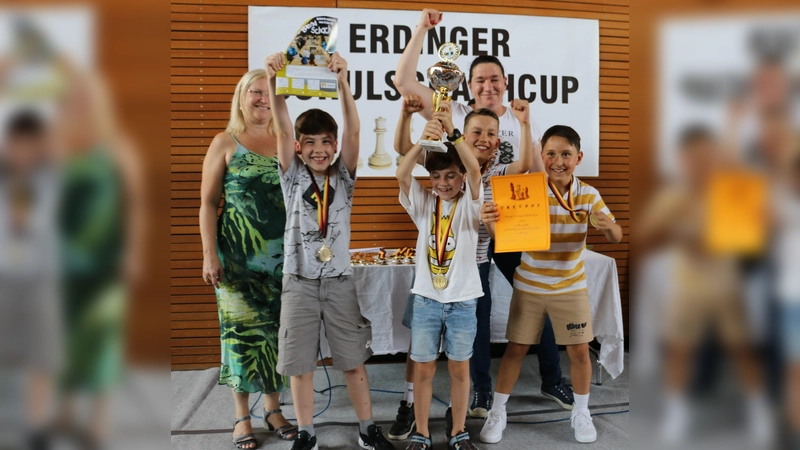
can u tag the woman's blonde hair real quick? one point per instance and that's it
(236, 123)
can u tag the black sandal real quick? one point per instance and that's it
(244, 439)
(286, 432)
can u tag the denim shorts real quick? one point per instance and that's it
(408, 314)
(791, 332)
(456, 323)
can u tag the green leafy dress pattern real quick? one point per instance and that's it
(91, 221)
(250, 247)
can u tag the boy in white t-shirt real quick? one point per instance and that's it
(447, 284)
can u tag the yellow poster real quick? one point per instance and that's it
(736, 211)
(524, 223)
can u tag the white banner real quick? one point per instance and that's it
(552, 62)
(708, 65)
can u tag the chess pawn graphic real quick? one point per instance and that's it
(411, 132)
(380, 159)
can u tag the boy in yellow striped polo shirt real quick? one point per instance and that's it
(553, 282)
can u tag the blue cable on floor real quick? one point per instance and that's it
(329, 390)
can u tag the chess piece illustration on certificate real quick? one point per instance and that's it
(380, 159)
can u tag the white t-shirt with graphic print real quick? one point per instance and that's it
(464, 282)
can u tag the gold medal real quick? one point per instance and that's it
(440, 240)
(439, 282)
(324, 253)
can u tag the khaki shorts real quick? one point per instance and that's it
(705, 295)
(305, 303)
(690, 316)
(569, 313)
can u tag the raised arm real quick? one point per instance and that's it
(522, 111)
(280, 113)
(537, 165)
(402, 136)
(405, 77)
(351, 131)
(445, 117)
(406, 166)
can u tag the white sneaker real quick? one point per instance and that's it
(492, 430)
(674, 428)
(583, 426)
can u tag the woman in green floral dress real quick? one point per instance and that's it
(243, 254)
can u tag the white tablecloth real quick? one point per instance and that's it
(383, 291)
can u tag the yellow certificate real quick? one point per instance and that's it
(524, 223)
(736, 211)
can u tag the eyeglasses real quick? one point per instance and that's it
(257, 93)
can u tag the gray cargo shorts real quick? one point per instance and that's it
(305, 303)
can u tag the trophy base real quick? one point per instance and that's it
(433, 145)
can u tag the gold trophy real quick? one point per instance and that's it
(445, 78)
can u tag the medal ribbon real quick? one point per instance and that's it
(322, 210)
(441, 238)
(486, 165)
(569, 204)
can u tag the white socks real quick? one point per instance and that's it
(581, 403)
(408, 395)
(500, 400)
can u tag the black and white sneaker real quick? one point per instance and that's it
(561, 393)
(481, 404)
(374, 439)
(404, 423)
(304, 441)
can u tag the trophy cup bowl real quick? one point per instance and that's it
(445, 77)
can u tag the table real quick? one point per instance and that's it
(383, 292)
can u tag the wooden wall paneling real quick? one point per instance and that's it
(209, 53)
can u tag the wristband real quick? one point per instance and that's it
(456, 135)
(457, 141)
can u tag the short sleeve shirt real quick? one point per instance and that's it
(302, 237)
(560, 269)
(458, 264)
